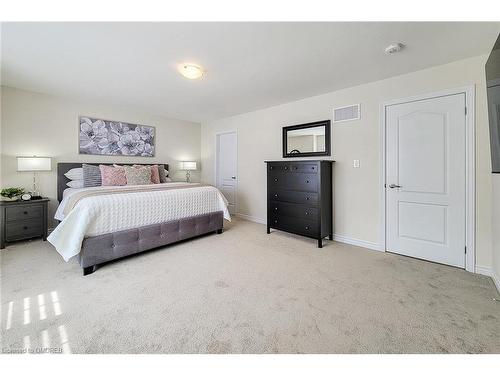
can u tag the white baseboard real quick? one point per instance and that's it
(252, 218)
(356, 242)
(496, 280)
(487, 271)
(336, 237)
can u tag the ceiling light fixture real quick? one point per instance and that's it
(191, 71)
(394, 48)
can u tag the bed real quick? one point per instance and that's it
(105, 223)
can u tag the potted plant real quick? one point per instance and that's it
(11, 194)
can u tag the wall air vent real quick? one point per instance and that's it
(349, 113)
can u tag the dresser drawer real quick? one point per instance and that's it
(293, 167)
(294, 181)
(24, 229)
(303, 168)
(278, 167)
(293, 197)
(26, 211)
(295, 225)
(300, 211)
(302, 182)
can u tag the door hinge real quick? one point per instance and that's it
(465, 249)
(466, 111)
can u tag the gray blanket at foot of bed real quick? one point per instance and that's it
(106, 247)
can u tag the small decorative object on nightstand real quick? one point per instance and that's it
(11, 194)
(21, 220)
(188, 166)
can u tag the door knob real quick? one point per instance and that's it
(233, 177)
(393, 186)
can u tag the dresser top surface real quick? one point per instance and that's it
(299, 161)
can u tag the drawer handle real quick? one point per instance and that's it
(286, 168)
(307, 181)
(25, 212)
(275, 221)
(275, 180)
(307, 198)
(276, 195)
(275, 208)
(295, 168)
(307, 213)
(307, 228)
(271, 168)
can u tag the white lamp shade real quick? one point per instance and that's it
(33, 164)
(188, 165)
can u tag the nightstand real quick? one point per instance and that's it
(21, 220)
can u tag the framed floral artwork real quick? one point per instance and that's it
(104, 137)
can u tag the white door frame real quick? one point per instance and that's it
(217, 134)
(470, 173)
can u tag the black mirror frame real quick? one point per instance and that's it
(327, 152)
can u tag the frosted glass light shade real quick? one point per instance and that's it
(33, 164)
(191, 71)
(188, 165)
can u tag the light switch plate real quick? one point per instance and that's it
(355, 163)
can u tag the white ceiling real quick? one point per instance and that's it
(249, 65)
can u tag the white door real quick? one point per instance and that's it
(227, 151)
(425, 179)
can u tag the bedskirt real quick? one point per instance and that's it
(106, 247)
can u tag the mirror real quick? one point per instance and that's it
(311, 139)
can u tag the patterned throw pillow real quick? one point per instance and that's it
(112, 176)
(155, 175)
(91, 175)
(163, 173)
(138, 176)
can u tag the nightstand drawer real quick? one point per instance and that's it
(24, 229)
(26, 211)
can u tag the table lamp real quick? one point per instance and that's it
(188, 166)
(34, 164)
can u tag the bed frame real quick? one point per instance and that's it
(104, 248)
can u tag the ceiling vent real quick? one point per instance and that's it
(349, 113)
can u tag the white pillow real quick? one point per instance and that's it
(75, 174)
(78, 184)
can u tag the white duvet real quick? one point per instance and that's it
(108, 213)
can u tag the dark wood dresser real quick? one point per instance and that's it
(299, 198)
(21, 220)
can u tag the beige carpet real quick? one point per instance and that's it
(246, 292)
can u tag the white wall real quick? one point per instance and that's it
(357, 201)
(43, 125)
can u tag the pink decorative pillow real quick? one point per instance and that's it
(155, 174)
(112, 176)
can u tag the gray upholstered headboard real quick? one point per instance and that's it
(62, 168)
